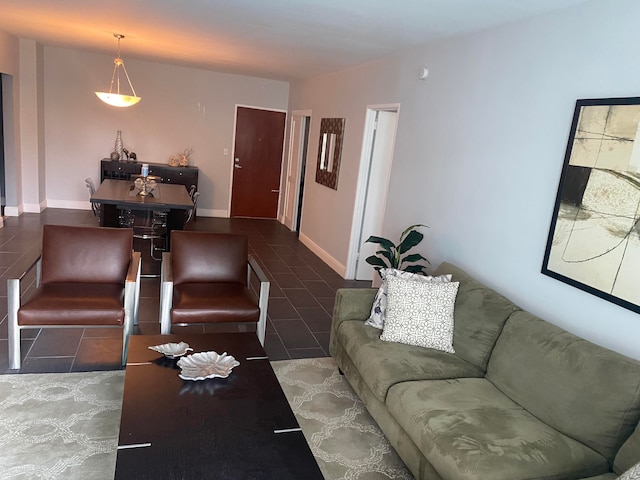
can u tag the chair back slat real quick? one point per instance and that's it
(205, 257)
(85, 254)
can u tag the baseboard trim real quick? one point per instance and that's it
(69, 204)
(338, 267)
(210, 212)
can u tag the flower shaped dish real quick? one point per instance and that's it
(172, 350)
(201, 366)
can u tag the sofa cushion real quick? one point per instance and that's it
(583, 390)
(383, 364)
(208, 257)
(467, 429)
(73, 254)
(479, 315)
(213, 302)
(629, 453)
(420, 313)
(74, 304)
(379, 307)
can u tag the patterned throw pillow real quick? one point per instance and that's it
(379, 308)
(632, 474)
(420, 313)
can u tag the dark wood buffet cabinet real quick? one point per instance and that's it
(186, 176)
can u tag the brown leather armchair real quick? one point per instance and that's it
(206, 278)
(85, 277)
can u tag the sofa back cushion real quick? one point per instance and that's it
(581, 389)
(72, 254)
(478, 316)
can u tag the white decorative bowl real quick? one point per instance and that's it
(201, 366)
(172, 350)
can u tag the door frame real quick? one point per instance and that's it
(363, 181)
(305, 128)
(233, 150)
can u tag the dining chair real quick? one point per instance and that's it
(85, 277)
(148, 225)
(95, 207)
(209, 278)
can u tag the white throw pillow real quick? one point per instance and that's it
(379, 308)
(632, 474)
(420, 313)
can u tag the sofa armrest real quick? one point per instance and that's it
(351, 304)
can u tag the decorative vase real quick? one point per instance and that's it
(118, 148)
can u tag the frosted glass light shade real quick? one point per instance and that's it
(117, 100)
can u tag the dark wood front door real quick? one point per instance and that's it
(257, 163)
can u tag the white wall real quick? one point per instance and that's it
(479, 150)
(32, 125)
(9, 66)
(180, 108)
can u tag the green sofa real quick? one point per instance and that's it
(520, 398)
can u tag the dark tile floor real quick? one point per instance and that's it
(300, 302)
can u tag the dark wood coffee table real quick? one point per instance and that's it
(240, 427)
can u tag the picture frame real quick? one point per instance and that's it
(329, 151)
(594, 237)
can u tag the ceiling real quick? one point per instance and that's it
(280, 39)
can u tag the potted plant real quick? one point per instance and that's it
(396, 256)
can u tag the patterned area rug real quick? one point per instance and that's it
(59, 426)
(345, 440)
(65, 426)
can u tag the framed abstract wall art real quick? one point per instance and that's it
(594, 238)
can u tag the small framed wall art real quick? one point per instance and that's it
(330, 151)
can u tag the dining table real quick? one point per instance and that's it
(113, 196)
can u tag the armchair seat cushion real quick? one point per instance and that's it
(213, 302)
(74, 303)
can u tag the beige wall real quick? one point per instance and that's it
(180, 108)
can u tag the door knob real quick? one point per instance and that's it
(237, 166)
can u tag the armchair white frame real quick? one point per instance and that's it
(166, 295)
(14, 294)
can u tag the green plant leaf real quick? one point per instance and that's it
(375, 261)
(414, 269)
(390, 256)
(412, 227)
(414, 257)
(384, 243)
(411, 240)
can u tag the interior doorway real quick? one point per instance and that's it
(296, 168)
(373, 183)
(257, 162)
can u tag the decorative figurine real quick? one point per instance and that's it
(118, 145)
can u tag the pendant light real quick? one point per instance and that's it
(115, 98)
